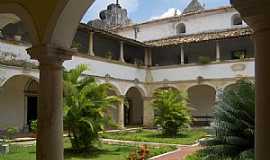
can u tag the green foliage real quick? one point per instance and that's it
(234, 124)
(85, 104)
(34, 126)
(189, 136)
(171, 112)
(204, 60)
(7, 134)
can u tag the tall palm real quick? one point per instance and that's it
(85, 104)
(234, 124)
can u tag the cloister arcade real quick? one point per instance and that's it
(51, 26)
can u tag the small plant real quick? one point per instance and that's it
(139, 154)
(204, 60)
(76, 45)
(108, 55)
(7, 134)
(138, 62)
(33, 126)
(171, 112)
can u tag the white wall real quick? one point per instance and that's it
(101, 68)
(12, 106)
(211, 71)
(194, 24)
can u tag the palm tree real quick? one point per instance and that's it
(234, 124)
(171, 111)
(85, 103)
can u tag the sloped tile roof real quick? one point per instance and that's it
(200, 37)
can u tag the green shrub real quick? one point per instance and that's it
(204, 60)
(171, 112)
(7, 134)
(85, 104)
(33, 126)
(234, 124)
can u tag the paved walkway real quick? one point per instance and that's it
(138, 143)
(179, 154)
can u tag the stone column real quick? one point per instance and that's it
(121, 112)
(217, 51)
(262, 94)
(146, 57)
(150, 57)
(182, 55)
(122, 57)
(50, 108)
(91, 44)
(148, 118)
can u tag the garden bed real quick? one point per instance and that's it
(186, 138)
(103, 152)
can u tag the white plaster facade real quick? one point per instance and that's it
(122, 77)
(210, 20)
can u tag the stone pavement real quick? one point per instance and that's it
(179, 154)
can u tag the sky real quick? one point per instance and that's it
(144, 10)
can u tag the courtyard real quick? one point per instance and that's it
(108, 84)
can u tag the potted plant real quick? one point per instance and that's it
(5, 136)
(33, 128)
(138, 62)
(108, 55)
(204, 60)
(76, 46)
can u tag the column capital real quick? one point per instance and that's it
(49, 54)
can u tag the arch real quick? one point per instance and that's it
(180, 28)
(228, 86)
(202, 99)
(21, 112)
(237, 20)
(64, 22)
(32, 87)
(196, 84)
(140, 89)
(115, 89)
(112, 111)
(25, 17)
(35, 77)
(134, 107)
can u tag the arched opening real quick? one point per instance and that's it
(133, 108)
(18, 102)
(201, 101)
(181, 28)
(112, 111)
(237, 20)
(31, 96)
(229, 87)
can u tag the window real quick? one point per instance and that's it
(237, 20)
(181, 28)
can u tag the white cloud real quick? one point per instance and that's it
(169, 13)
(93, 11)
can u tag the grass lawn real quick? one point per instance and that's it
(187, 137)
(104, 152)
(193, 157)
